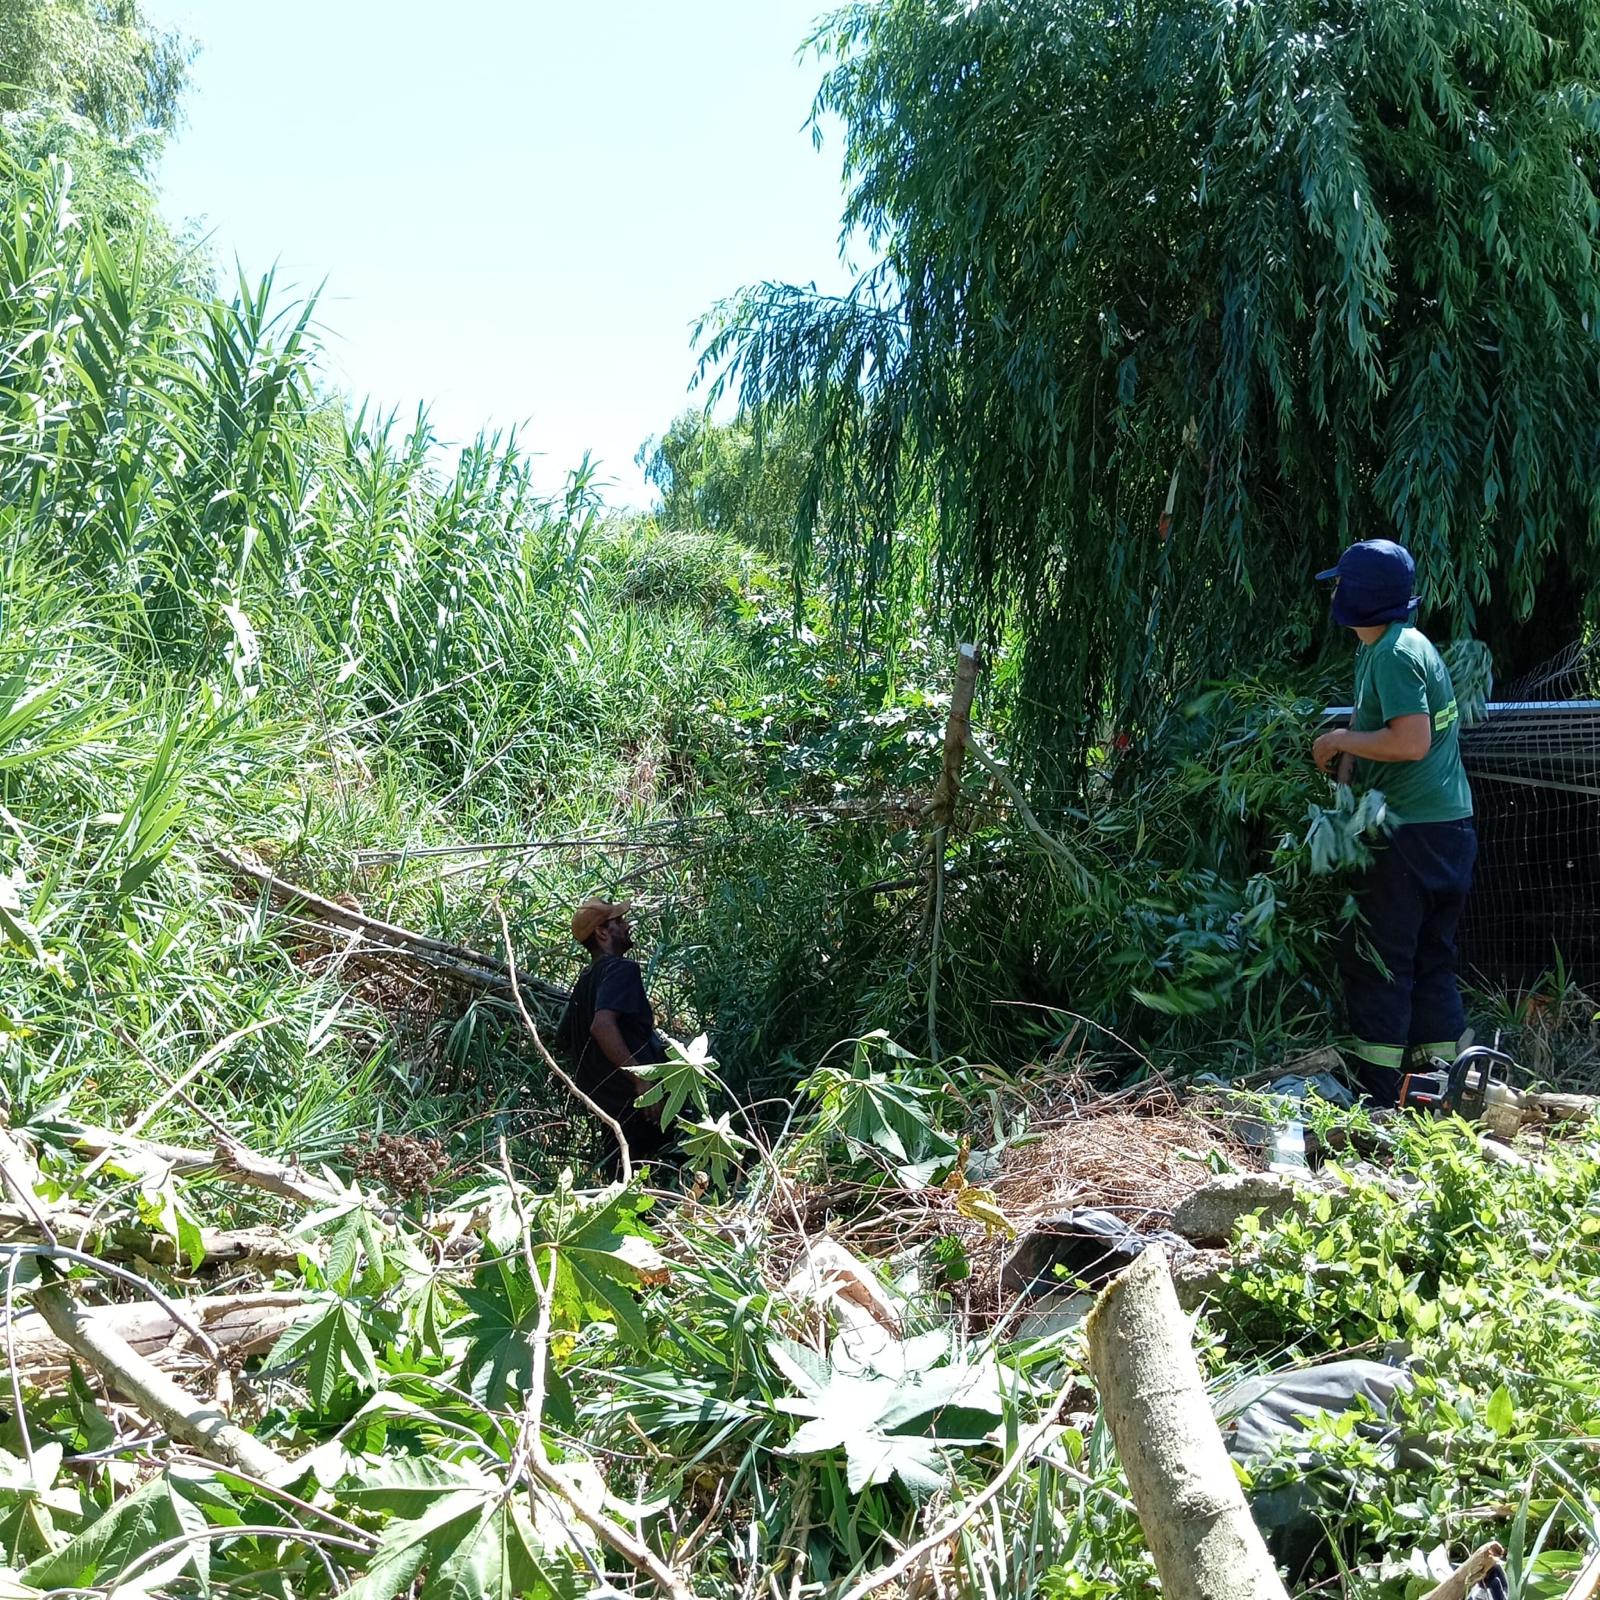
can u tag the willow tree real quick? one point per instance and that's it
(1315, 269)
(102, 60)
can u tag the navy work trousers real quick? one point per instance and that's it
(1410, 899)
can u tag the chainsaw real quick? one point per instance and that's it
(1467, 1087)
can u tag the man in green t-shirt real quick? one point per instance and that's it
(1399, 967)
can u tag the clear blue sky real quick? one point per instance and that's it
(519, 206)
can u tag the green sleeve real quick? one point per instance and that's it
(1402, 686)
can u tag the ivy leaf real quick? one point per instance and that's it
(333, 1344)
(162, 1209)
(980, 1205)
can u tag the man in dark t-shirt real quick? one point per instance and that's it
(609, 1028)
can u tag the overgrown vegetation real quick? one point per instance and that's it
(1291, 274)
(237, 612)
(507, 1390)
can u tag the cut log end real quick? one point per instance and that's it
(1196, 1522)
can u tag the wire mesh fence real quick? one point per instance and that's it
(1534, 764)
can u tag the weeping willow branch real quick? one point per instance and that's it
(997, 403)
(1055, 847)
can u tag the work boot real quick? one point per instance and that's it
(1378, 1086)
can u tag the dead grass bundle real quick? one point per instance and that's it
(1136, 1154)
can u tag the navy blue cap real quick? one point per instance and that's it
(1374, 584)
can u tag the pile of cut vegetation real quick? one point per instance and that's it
(802, 1368)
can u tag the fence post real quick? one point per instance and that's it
(957, 726)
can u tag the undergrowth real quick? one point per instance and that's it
(485, 1387)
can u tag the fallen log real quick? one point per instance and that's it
(1563, 1107)
(144, 1385)
(267, 1248)
(242, 1325)
(229, 1161)
(471, 966)
(1196, 1522)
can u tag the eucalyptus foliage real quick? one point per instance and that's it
(1327, 267)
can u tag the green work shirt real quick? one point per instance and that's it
(1402, 675)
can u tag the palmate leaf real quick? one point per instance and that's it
(501, 1315)
(172, 1506)
(403, 1547)
(602, 1255)
(876, 1457)
(713, 1145)
(353, 1231)
(688, 1074)
(422, 1297)
(864, 1409)
(602, 1252)
(404, 1485)
(475, 1544)
(30, 1499)
(499, 1557)
(333, 1343)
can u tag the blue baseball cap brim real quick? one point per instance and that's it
(1354, 607)
(1323, 577)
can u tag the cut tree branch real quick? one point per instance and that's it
(151, 1390)
(239, 1325)
(230, 1161)
(1193, 1512)
(127, 1241)
(1053, 846)
(473, 966)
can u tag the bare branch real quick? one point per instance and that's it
(550, 1061)
(151, 1390)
